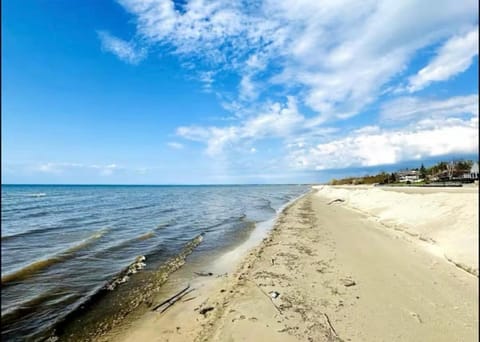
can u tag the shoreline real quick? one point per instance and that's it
(228, 261)
(143, 326)
(331, 286)
(217, 263)
(229, 219)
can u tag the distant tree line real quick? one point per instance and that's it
(378, 178)
(452, 168)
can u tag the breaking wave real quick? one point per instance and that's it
(34, 267)
(80, 317)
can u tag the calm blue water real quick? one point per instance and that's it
(61, 243)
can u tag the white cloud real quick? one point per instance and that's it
(207, 77)
(105, 170)
(247, 88)
(175, 145)
(336, 54)
(391, 146)
(126, 51)
(407, 108)
(56, 168)
(59, 168)
(275, 121)
(424, 128)
(454, 57)
(436, 130)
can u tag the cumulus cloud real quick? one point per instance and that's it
(423, 128)
(276, 121)
(126, 51)
(454, 57)
(391, 146)
(435, 131)
(339, 54)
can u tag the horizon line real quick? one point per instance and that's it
(173, 184)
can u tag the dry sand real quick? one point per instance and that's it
(445, 219)
(340, 276)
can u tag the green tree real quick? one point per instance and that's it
(423, 172)
(442, 166)
(464, 166)
(392, 178)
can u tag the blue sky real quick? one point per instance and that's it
(156, 92)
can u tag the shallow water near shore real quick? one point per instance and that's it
(65, 249)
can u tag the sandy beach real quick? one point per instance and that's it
(446, 219)
(340, 264)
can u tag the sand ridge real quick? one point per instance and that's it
(445, 218)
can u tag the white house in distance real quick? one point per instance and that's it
(473, 174)
(411, 176)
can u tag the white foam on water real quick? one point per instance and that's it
(229, 260)
(38, 194)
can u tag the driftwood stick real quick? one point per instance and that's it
(332, 329)
(266, 294)
(169, 304)
(188, 299)
(171, 298)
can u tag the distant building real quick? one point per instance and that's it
(411, 176)
(444, 175)
(473, 174)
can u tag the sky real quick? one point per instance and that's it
(218, 91)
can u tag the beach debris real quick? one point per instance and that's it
(338, 200)
(188, 299)
(124, 275)
(203, 274)
(172, 300)
(274, 294)
(269, 297)
(332, 329)
(416, 316)
(347, 282)
(205, 310)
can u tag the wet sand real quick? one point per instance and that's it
(340, 276)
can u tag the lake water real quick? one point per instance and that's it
(63, 246)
